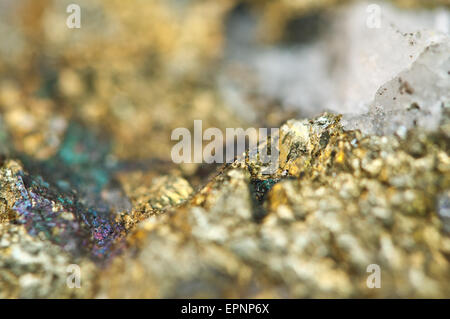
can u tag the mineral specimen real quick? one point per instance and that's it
(346, 202)
(348, 66)
(87, 182)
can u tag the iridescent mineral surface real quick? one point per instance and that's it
(86, 176)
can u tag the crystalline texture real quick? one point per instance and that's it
(383, 79)
(415, 96)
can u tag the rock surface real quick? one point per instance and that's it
(87, 182)
(341, 203)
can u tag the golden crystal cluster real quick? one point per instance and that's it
(86, 176)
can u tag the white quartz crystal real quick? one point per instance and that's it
(383, 79)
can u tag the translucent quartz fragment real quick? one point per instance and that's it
(358, 66)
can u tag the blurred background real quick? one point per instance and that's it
(136, 70)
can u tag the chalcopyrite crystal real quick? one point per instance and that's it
(88, 187)
(347, 201)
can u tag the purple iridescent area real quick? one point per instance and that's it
(66, 222)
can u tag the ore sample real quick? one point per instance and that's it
(86, 177)
(346, 202)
